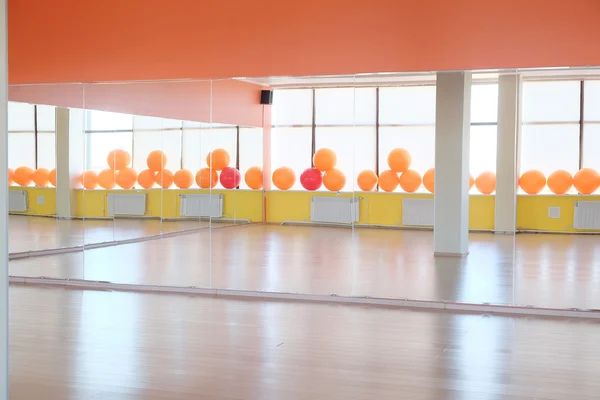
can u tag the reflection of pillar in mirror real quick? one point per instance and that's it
(70, 159)
(451, 198)
(266, 156)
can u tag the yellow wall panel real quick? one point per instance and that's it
(532, 212)
(37, 195)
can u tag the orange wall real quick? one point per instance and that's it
(105, 40)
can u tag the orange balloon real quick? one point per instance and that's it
(399, 160)
(254, 178)
(410, 181)
(324, 159)
(220, 159)
(11, 175)
(560, 182)
(156, 160)
(429, 180)
(532, 181)
(367, 180)
(89, 180)
(183, 179)
(107, 179)
(118, 159)
(52, 177)
(146, 179)
(388, 180)
(471, 181)
(334, 180)
(586, 180)
(41, 177)
(23, 176)
(126, 178)
(486, 182)
(284, 178)
(164, 178)
(207, 178)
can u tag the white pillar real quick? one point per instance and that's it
(507, 154)
(3, 203)
(70, 155)
(451, 199)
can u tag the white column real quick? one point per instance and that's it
(70, 155)
(451, 199)
(3, 204)
(507, 154)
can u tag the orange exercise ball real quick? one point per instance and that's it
(471, 181)
(11, 175)
(40, 177)
(254, 178)
(146, 179)
(218, 159)
(334, 180)
(367, 180)
(23, 176)
(429, 180)
(532, 181)
(164, 178)
(156, 160)
(586, 180)
(118, 159)
(52, 177)
(126, 178)
(560, 182)
(183, 179)
(284, 178)
(399, 160)
(207, 178)
(388, 180)
(486, 182)
(410, 181)
(107, 179)
(324, 159)
(89, 180)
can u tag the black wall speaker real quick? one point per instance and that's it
(266, 97)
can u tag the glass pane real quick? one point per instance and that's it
(99, 144)
(549, 148)
(251, 151)
(482, 149)
(555, 101)
(345, 106)
(21, 150)
(292, 107)
(291, 147)
(169, 141)
(108, 121)
(407, 105)
(20, 117)
(141, 123)
(591, 104)
(484, 103)
(46, 118)
(46, 150)
(591, 146)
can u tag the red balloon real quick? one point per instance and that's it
(311, 179)
(230, 178)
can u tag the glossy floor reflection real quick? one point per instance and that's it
(559, 271)
(92, 345)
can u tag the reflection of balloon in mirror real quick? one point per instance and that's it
(207, 178)
(230, 178)
(164, 178)
(532, 181)
(40, 177)
(410, 181)
(429, 180)
(126, 178)
(219, 159)
(89, 180)
(156, 160)
(471, 181)
(11, 174)
(586, 180)
(52, 177)
(560, 182)
(107, 179)
(254, 178)
(399, 160)
(324, 159)
(118, 159)
(311, 179)
(183, 179)
(284, 178)
(23, 176)
(486, 182)
(367, 180)
(146, 179)
(388, 180)
(334, 180)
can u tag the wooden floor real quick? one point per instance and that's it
(91, 345)
(558, 271)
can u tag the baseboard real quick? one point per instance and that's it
(445, 254)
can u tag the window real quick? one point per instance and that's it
(251, 151)
(591, 127)
(151, 133)
(484, 129)
(419, 141)
(21, 135)
(108, 121)
(46, 136)
(292, 107)
(99, 144)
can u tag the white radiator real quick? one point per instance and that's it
(338, 210)
(417, 212)
(17, 200)
(587, 215)
(126, 204)
(201, 205)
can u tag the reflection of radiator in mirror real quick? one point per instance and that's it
(417, 212)
(17, 201)
(126, 205)
(338, 210)
(586, 215)
(201, 205)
